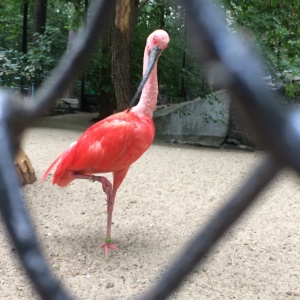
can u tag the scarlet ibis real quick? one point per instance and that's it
(114, 143)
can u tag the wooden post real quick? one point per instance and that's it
(24, 168)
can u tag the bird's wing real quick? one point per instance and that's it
(107, 146)
(117, 142)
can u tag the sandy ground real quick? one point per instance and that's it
(168, 194)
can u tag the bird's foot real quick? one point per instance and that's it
(107, 245)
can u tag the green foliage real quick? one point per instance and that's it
(10, 66)
(273, 23)
(181, 78)
(293, 89)
(94, 73)
(30, 67)
(291, 83)
(66, 14)
(38, 62)
(11, 24)
(275, 26)
(43, 51)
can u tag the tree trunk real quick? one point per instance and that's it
(25, 24)
(121, 36)
(24, 168)
(40, 16)
(106, 102)
(69, 92)
(24, 42)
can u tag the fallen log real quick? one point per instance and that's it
(24, 168)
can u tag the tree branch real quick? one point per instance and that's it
(142, 4)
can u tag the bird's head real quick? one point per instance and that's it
(159, 38)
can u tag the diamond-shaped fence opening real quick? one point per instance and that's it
(223, 53)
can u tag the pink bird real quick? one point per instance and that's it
(113, 144)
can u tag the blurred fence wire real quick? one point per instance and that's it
(236, 69)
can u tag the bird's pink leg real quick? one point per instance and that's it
(111, 194)
(107, 245)
(118, 178)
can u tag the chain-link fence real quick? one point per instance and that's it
(235, 68)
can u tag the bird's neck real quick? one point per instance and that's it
(148, 99)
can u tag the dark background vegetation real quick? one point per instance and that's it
(35, 33)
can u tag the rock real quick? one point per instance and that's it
(202, 121)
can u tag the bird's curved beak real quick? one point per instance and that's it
(153, 57)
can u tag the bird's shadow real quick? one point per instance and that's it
(131, 246)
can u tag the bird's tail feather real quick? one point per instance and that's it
(51, 167)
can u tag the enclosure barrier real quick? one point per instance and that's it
(236, 69)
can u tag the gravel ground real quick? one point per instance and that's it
(166, 197)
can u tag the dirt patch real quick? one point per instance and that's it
(166, 197)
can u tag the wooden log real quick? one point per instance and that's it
(24, 168)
